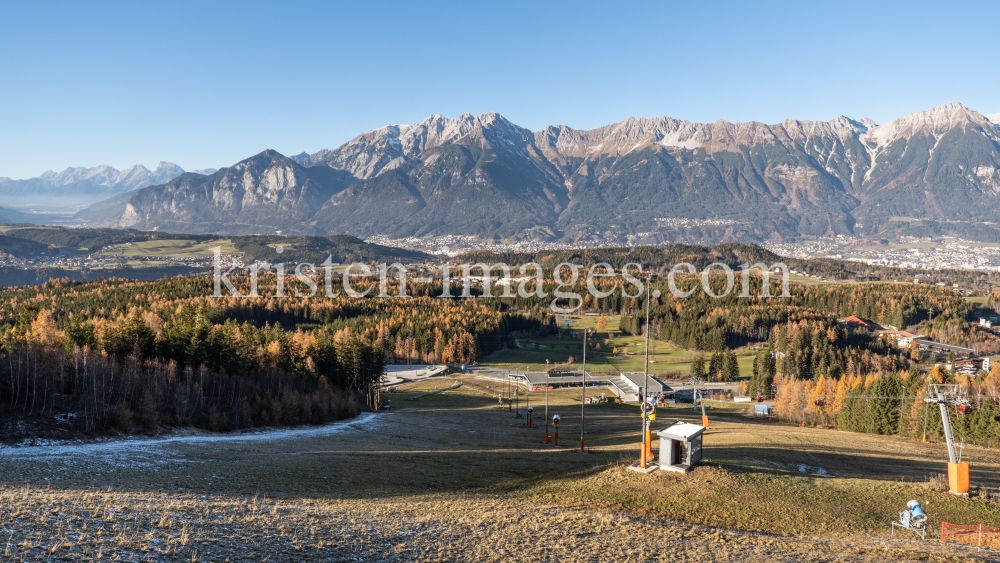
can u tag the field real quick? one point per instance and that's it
(807, 280)
(449, 477)
(171, 248)
(664, 358)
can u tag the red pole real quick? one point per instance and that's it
(581, 444)
(942, 532)
(557, 436)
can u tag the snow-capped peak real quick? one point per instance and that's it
(934, 121)
(369, 153)
(869, 123)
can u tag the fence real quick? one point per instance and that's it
(976, 534)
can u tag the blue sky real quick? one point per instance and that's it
(206, 84)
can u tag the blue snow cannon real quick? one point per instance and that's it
(916, 513)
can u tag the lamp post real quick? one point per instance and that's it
(517, 396)
(583, 399)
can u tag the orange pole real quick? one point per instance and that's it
(649, 444)
(547, 437)
(643, 451)
(942, 532)
(581, 444)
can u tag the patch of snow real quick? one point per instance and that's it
(130, 446)
(800, 467)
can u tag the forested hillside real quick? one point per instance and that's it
(818, 371)
(92, 239)
(660, 259)
(343, 249)
(892, 403)
(655, 258)
(122, 355)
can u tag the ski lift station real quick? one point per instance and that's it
(628, 386)
(680, 446)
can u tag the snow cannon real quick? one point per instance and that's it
(917, 515)
(555, 421)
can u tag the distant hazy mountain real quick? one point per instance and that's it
(77, 186)
(261, 194)
(658, 179)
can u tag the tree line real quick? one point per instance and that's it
(892, 403)
(117, 355)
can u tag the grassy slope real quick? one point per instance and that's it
(451, 477)
(761, 476)
(664, 358)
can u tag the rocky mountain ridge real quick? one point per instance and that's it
(649, 179)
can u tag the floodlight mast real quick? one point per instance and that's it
(703, 415)
(583, 398)
(645, 382)
(646, 447)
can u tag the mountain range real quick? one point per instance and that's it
(83, 186)
(642, 180)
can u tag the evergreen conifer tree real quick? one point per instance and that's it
(698, 367)
(882, 412)
(731, 370)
